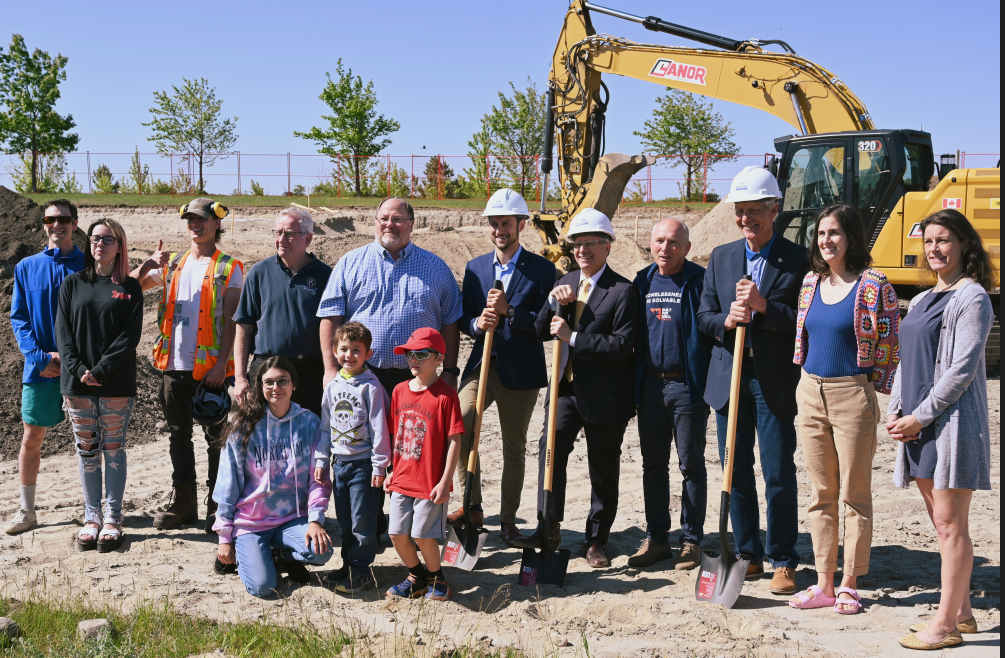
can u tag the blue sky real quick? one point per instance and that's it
(437, 65)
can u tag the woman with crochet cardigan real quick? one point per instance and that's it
(846, 342)
(939, 409)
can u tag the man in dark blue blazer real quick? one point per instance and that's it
(769, 376)
(595, 389)
(671, 364)
(517, 370)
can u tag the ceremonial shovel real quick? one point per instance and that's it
(549, 566)
(464, 545)
(720, 579)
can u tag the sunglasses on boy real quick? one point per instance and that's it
(62, 219)
(418, 355)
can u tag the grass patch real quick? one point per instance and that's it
(130, 200)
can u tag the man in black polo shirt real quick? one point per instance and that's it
(277, 315)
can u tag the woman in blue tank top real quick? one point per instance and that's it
(846, 341)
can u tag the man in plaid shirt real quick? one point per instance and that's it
(393, 288)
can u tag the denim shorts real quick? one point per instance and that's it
(42, 404)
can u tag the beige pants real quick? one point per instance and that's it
(515, 409)
(837, 430)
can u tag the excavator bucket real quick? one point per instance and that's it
(610, 178)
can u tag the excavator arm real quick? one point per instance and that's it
(801, 93)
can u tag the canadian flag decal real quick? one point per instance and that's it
(956, 204)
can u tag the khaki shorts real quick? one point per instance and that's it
(419, 518)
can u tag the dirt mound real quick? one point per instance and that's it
(21, 235)
(717, 227)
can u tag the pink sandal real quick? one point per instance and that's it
(819, 600)
(857, 603)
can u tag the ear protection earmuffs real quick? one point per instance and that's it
(218, 209)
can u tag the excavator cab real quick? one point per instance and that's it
(870, 170)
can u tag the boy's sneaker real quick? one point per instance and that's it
(356, 582)
(23, 520)
(439, 590)
(338, 575)
(409, 589)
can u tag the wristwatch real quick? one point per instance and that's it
(511, 312)
(455, 371)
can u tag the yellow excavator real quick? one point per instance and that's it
(839, 156)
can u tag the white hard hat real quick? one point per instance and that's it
(505, 203)
(590, 220)
(753, 184)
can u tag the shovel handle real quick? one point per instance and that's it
(483, 381)
(734, 405)
(556, 376)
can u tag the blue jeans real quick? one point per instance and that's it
(99, 428)
(254, 554)
(356, 509)
(776, 439)
(666, 414)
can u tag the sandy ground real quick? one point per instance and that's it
(619, 611)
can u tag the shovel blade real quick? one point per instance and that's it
(463, 547)
(720, 579)
(544, 567)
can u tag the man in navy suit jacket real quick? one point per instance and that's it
(769, 376)
(517, 369)
(595, 393)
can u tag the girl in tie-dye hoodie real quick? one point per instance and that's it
(269, 504)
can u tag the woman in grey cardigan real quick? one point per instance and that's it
(939, 409)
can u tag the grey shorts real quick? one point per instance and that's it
(419, 518)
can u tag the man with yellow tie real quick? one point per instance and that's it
(595, 393)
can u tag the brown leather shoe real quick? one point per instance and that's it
(755, 571)
(456, 518)
(511, 534)
(650, 553)
(184, 508)
(534, 540)
(784, 581)
(690, 557)
(595, 556)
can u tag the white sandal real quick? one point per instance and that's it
(109, 545)
(87, 538)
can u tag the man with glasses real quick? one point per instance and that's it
(33, 316)
(392, 287)
(767, 304)
(595, 394)
(202, 287)
(277, 315)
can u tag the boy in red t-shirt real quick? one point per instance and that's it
(427, 425)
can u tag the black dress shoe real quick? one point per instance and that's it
(595, 556)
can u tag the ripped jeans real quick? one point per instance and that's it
(99, 428)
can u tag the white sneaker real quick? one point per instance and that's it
(23, 520)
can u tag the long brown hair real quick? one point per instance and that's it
(247, 416)
(858, 257)
(120, 272)
(977, 263)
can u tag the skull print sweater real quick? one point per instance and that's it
(354, 422)
(269, 481)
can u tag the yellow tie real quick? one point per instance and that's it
(584, 292)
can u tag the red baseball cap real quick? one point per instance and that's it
(425, 338)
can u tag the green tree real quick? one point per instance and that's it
(683, 126)
(139, 181)
(29, 89)
(474, 183)
(188, 122)
(517, 127)
(354, 129)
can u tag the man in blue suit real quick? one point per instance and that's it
(767, 303)
(517, 369)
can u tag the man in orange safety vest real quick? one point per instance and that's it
(202, 287)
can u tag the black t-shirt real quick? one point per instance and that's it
(98, 327)
(664, 346)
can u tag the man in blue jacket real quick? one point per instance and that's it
(517, 369)
(671, 364)
(33, 316)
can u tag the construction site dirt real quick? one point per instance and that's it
(618, 611)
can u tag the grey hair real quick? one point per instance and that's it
(304, 219)
(408, 207)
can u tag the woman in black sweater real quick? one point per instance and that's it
(97, 330)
